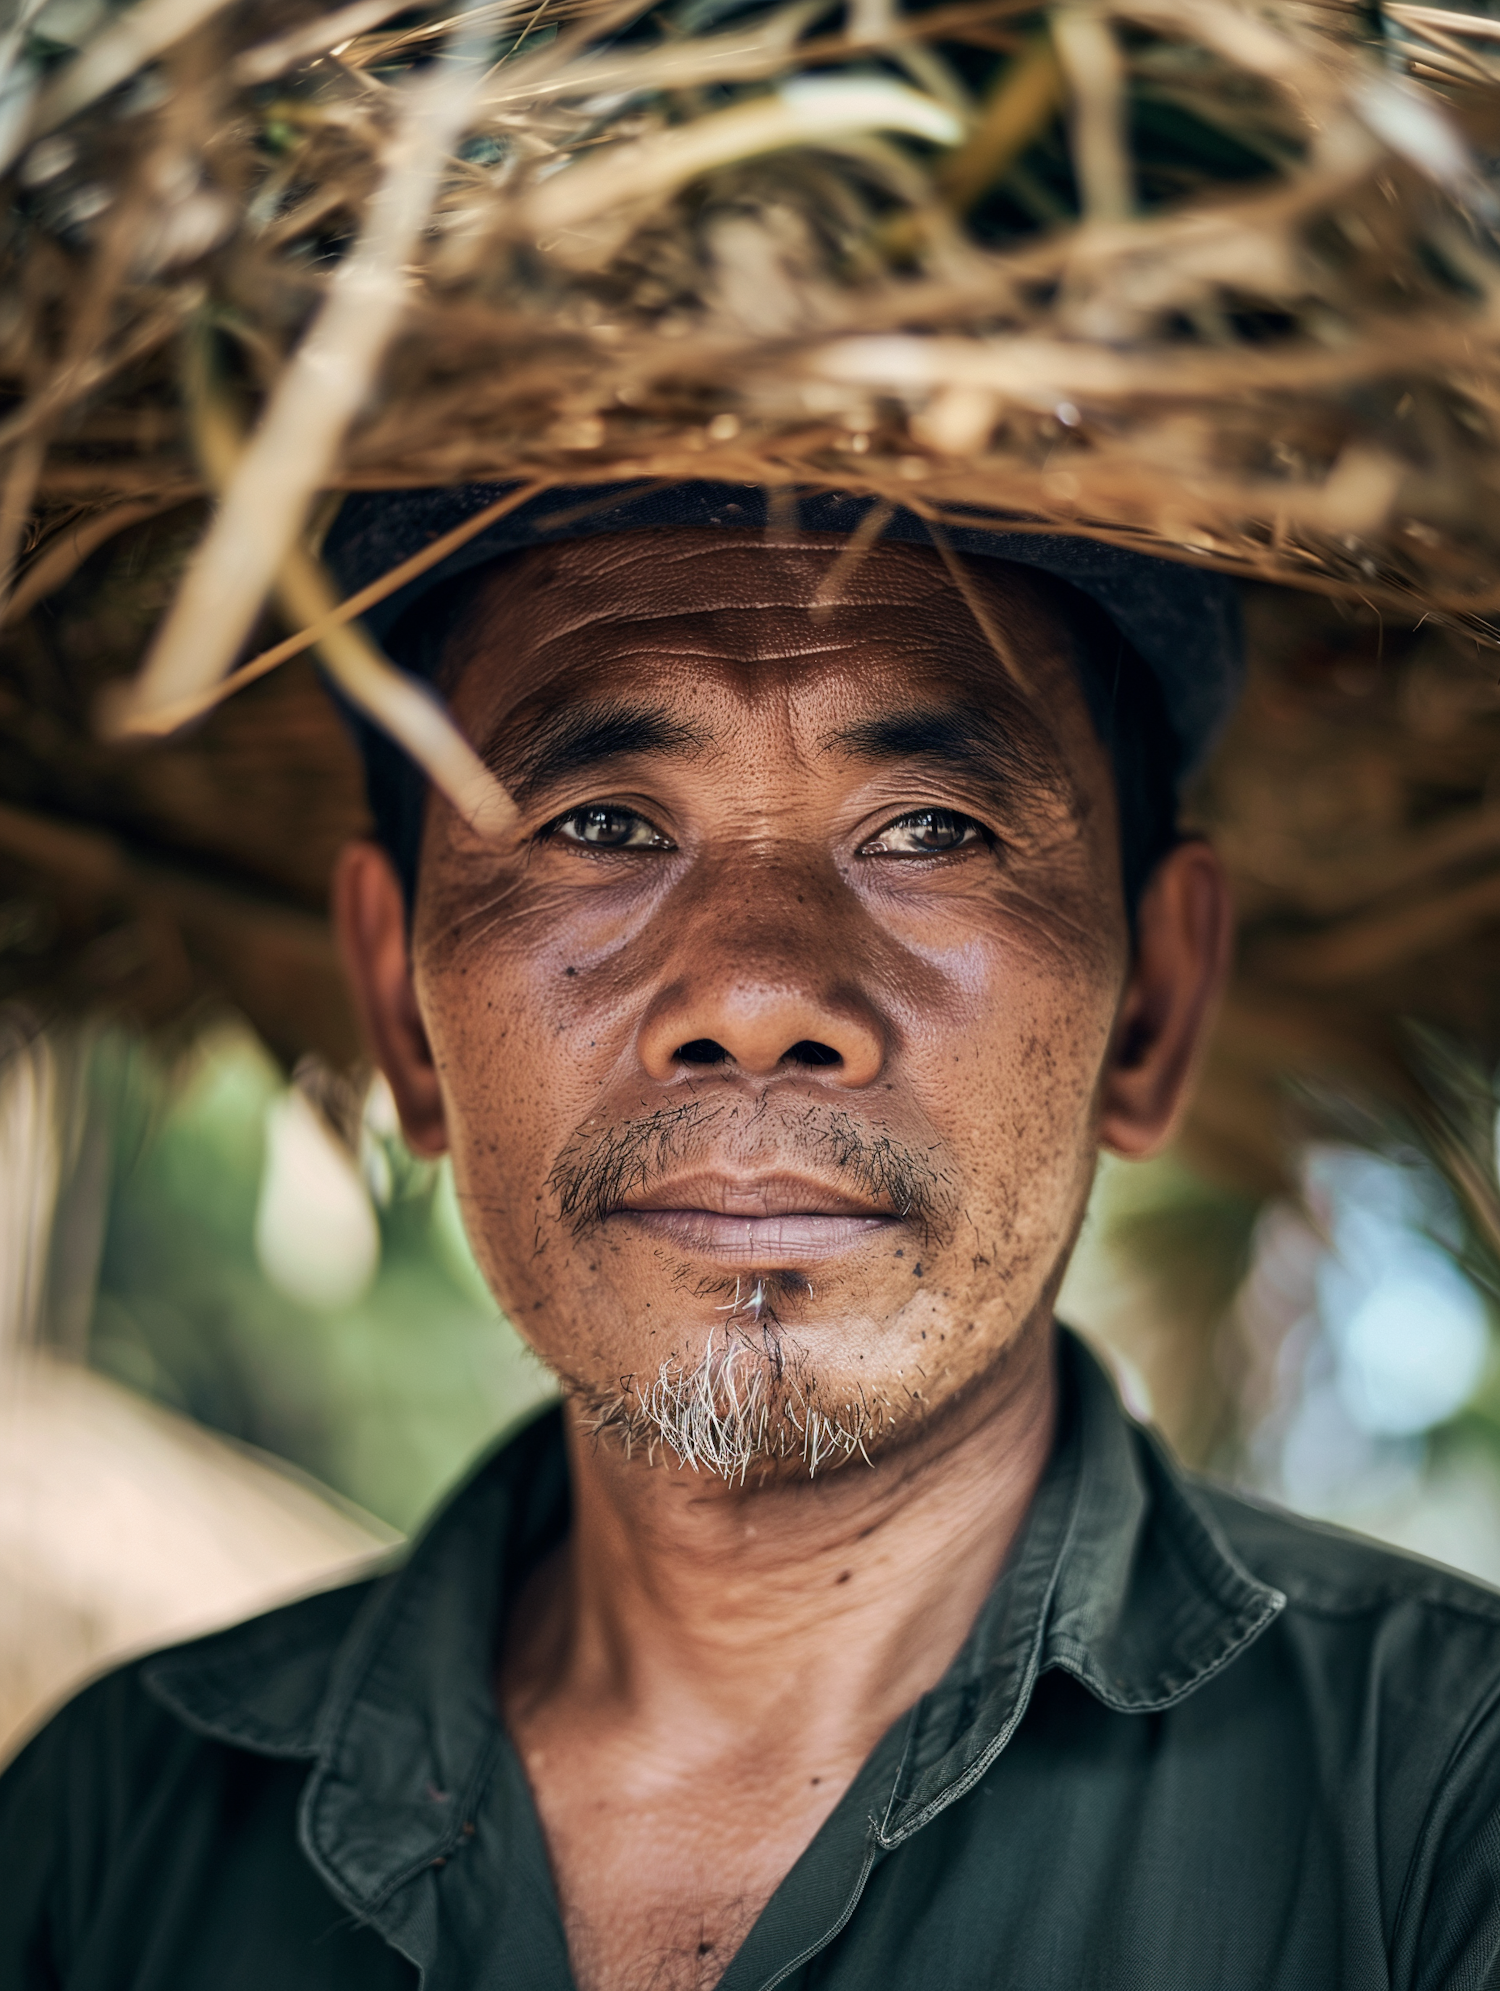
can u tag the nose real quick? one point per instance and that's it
(793, 1016)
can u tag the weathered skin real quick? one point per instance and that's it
(957, 1032)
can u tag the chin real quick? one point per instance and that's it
(754, 1394)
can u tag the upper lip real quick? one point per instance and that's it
(782, 1193)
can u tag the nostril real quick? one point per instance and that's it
(702, 1051)
(806, 1052)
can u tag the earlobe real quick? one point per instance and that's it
(1184, 937)
(369, 912)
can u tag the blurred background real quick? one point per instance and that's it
(245, 1346)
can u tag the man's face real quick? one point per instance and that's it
(771, 1068)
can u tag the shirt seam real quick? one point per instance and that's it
(452, 1840)
(1272, 1606)
(1461, 1742)
(241, 1737)
(966, 1780)
(1330, 1601)
(906, 1748)
(836, 1928)
(1366, 1602)
(1207, 1532)
(351, 1665)
(351, 1668)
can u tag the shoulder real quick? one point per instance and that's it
(261, 1684)
(1386, 1669)
(1333, 1572)
(151, 1723)
(268, 1673)
(139, 1762)
(1378, 1648)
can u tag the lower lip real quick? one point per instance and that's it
(764, 1243)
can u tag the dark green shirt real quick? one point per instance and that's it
(1189, 1743)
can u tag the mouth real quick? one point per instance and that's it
(763, 1223)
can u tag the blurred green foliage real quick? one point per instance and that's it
(385, 1400)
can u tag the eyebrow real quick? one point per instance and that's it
(573, 739)
(963, 738)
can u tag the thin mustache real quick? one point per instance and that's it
(598, 1169)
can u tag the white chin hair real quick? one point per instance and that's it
(749, 1402)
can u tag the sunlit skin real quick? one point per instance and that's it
(806, 873)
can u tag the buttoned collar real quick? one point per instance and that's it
(1119, 1576)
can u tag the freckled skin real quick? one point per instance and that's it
(700, 1654)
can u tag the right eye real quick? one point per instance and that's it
(608, 826)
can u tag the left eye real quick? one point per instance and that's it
(606, 826)
(924, 833)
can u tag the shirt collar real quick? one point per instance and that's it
(1120, 1576)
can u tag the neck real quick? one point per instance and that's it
(816, 1610)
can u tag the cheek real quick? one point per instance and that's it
(1006, 1055)
(528, 1037)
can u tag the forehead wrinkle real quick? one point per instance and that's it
(741, 631)
(609, 555)
(732, 573)
(695, 641)
(630, 597)
(657, 662)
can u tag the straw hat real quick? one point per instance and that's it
(1207, 278)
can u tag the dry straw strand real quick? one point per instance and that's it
(925, 256)
(317, 396)
(403, 707)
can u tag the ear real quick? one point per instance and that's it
(1184, 935)
(369, 912)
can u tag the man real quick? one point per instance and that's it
(840, 1630)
